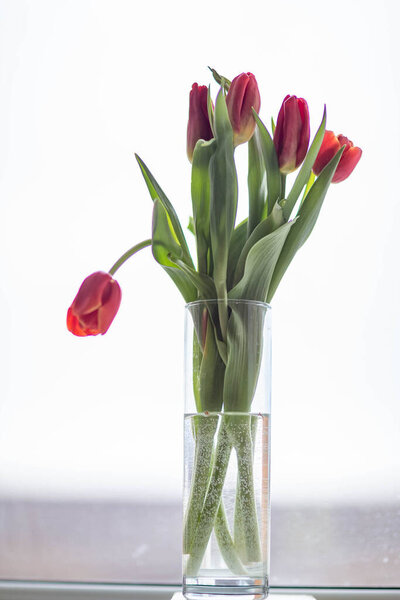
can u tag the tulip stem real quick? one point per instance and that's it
(283, 185)
(128, 254)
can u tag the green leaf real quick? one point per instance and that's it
(305, 221)
(237, 242)
(191, 226)
(156, 192)
(163, 245)
(223, 194)
(220, 79)
(245, 347)
(201, 199)
(305, 171)
(256, 181)
(212, 372)
(203, 283)
(271, 164)
(264, 228)
(260, 265)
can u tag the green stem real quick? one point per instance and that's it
(283, 185)
(239, 522)
(225, 543)
(211, 502)
(128, 254)
(240, 434)
(205, 428)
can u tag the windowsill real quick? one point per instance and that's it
(18, 590)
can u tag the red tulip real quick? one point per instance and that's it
(95, 305)
(292, 133)
(199, 127)
(329, 147)
(243, 95)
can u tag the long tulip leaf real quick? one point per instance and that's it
(156, 192)
(245, 347)
(163, 245)
(259, 266)
(267, 226)
(305, 221)
(237, 242)
(271, 164)
(256, 181)
(200, 187)
(203, 283)
(305, 171)
(223, 201)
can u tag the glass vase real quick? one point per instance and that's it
(226, 449)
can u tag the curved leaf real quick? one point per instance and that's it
(271, 164)
(163, 245)
(156, 192)
(305, 171)
(264, 228)
(305, 221)
(260, 265)
(237, 242)
(200, 188)
(256, 182)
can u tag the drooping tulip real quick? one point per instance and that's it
(199, 127)
(243, 95)
(329, 147)
(95, 305)
(292, 133)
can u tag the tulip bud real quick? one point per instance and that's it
(243, 95)
(292, 133)
(329, 147)
(199, 127)
(95, 305)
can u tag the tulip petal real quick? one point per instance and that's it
(347, 164)
(329, 147)
(111, 301)
(90, 293)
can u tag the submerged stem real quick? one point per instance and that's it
(212, 501)
(205, 428)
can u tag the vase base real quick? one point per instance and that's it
(208, 588)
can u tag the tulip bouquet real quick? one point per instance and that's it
(244, 261)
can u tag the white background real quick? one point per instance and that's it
(84, 85)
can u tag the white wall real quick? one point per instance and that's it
(84, 85)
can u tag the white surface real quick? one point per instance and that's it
(83, 86)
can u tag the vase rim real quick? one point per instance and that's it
(230, 301)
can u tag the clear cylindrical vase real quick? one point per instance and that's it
(227, 449)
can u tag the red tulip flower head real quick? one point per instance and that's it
(199, 127)
(243, 95)
(292, 133)
(95, 305)
(329, 147)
